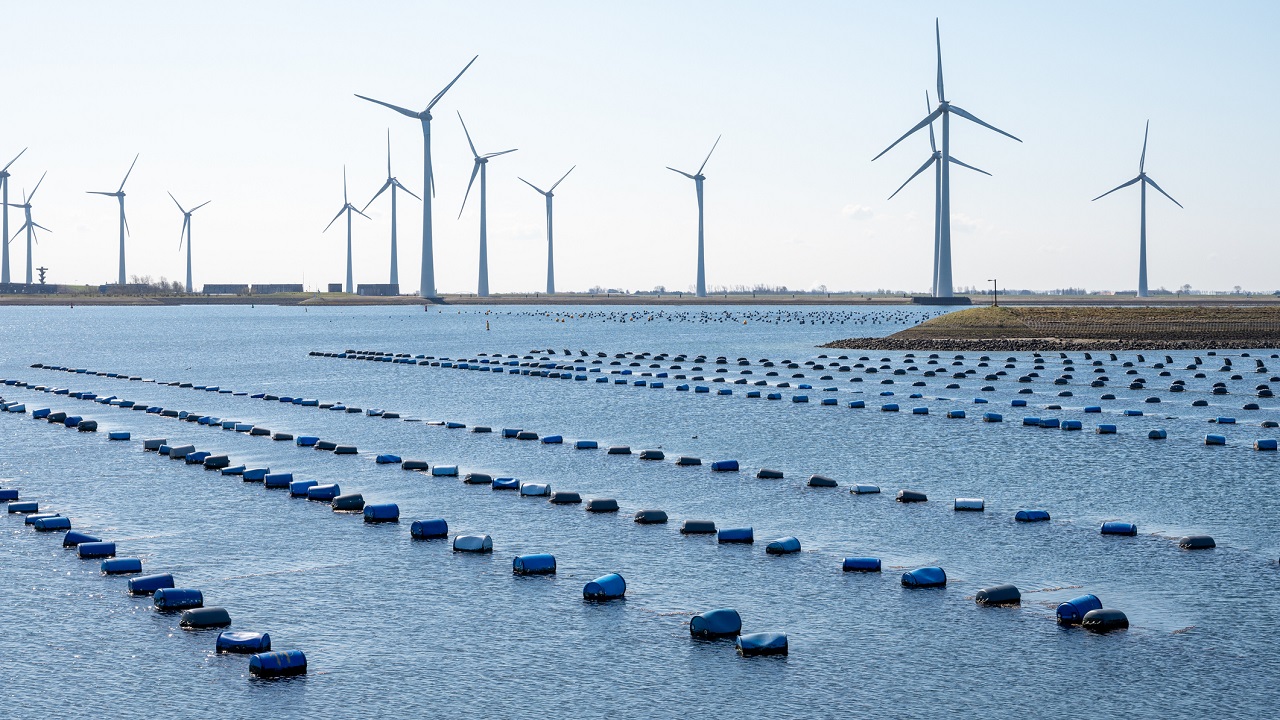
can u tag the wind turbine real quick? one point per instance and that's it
(482, 161)
(347, 208)
(393, 184)
(124, 224)
(549, 194)
(1142, 233)
(944, 110)
(428, 283)
(4, 198)
(698, 179)
(186, 233)
(936, 161)
(30, 225)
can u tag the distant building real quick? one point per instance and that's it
(276, 288)
(335, 287)
(378, 290)
(226, 289)
(24, 289)
(126, 289)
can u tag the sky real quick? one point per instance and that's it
(250, 105)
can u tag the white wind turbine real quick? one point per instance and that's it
(124, 224)
(482, 162)
(944, 110)
(4, 208)
(29, 226)
(347, 208)
(1142, 232)
(551, 264)
(428, 282)
(394, 184)
(698, 179)
(185, 234)
(936, 161)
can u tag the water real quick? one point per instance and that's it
(398, 627)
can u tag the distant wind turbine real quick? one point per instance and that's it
(428, 282)
(482, 161)
(394, 184)
(936, 161)
(1142, 232)
(347, 208)
(185, 234)
(29, 226)
(945, 110)
(4, 207)
(698, 179)
(124, 224)
(551, 262)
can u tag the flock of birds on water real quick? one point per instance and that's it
(730, 317)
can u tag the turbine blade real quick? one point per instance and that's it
(388, 152)
(99, 192)
(932, 145)
(14, 160)
(440, 94)
(475, 169)
(937, 29)
(402, 187)
(36, 224)
(1118, 187)
(553, 187)
(970, 116)
(126, 175)
(37, 187)
(344, 186)
(175, 202)
(468, 134)
(335, 219)
(397, 108)
(680, 171)
(535, 187)
(923, 167)
(967, 165)
(1153, 184)
(713, 149)
(381, 190)
(366, 217)
(1142, 162)
(206, 202)
(927, 120)
(182, 234)
(504, 152)
(125, 219)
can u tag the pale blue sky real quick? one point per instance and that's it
(250, 105)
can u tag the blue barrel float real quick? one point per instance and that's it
(177, 598)
(1073, 611)
(535, 564)
(204, 617)
(96, 549)
(736, 535)
(473, 543)
(52, 524)
(725, 622)
(762, 643)
(783, 546)
(74, 538)
(256, 474)
(121, 566)
(388, 460)
(233, 641)
(1031, 516)
(148, 584)
(1119, 528)
(925, 577)
(606, 587)
(9, 495)
(724, 466)
(324, 493)
(861, 564)
(278, 664)
(381, 513)
(429, 529)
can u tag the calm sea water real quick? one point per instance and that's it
(394, 627)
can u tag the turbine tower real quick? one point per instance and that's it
(30, 225)
(1142, 232)
(698, 179)
(551, 261)
(4, 198)
(347, 208)
(124, 224)
(185, 233)
(936, 161)
(944, 110)
(428, 282)
(394, 184)
(482, 161)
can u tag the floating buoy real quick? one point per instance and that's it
(685, 461)
(1157, 435)
(1106, 429)
(537, 564)
(350, 502)
(1268, 445)
(619, 450)
(724, 466)
(1031, 516)
(121, 566)
(299, 488)
(1072, 425)
(911, 496)
(552, 440)
(1215, 440)
(118, 435)
(205, 617)
(1104, 620)
(783, 546)
(821, 481)
(148, 584)
(925, 577)
(154, 443)
(388, 460)
(698, 527)
(999, 595)
(96, 549)
(766, 474)
(992, 417)
(1119, 528)
(970, 504)
(177, 598)
(429, 529)
(51, 524)
(586, 445)
(473, 543)
(306, 440)
(532, 489)
(720, 623)
(605, 587)
(651, 517)
(478, 478)
(861, 564)
(323, 493)
(955, 414)
(526, 435)
(243, 642)
(865, 490)
(275, 480)
(506, 484)
(1196, 542)
(652, 455)
(602, 505)
(565, 497)
(762, 643)
(278, 664)
(444, 471)
(736, 535)
(415, 465)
